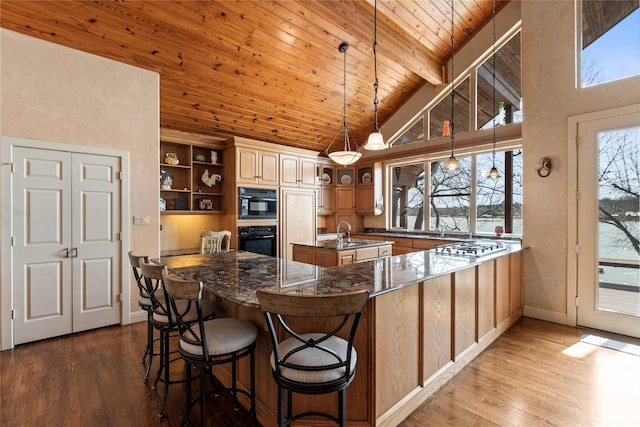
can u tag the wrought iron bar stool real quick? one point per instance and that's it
(312, 362)
(164, 320)
(144, 301)
(206, 343)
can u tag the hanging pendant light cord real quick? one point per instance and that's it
(493, 3)
(453, 89)
(344, 101)
(375, 63)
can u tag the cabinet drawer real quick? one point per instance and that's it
(384, 250)
(366, 253)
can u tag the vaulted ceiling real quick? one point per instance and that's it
(267, 70)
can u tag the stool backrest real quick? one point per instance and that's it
(152, 274)
(190, 330)
(215, 241)
(342, 312)
(134, 260)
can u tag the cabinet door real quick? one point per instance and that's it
(268, 173)
(346, 257)
(345, 199)
(364, 199)
(247, 166)
(288, 170)
(307, 172)
(325, 200)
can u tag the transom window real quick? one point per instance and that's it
(462, 201)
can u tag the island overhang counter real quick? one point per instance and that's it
(428, 316)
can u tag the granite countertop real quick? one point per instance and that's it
(345, 245)
(235, 276)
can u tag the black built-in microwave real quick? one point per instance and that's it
(257, 203)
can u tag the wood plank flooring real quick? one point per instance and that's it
(536, 374)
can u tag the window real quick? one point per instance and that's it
(442, 111)
(407, 197)
(508, 87)
(610, 41)
(462, 201)
(499, 201)
(414, 134)
(450, 196)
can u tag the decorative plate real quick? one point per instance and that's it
(326, 178)
(346, 179)
(366, 178)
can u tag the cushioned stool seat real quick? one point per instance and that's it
(316, 362)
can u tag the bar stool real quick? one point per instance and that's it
(215, 241)
(144, 301)
(163, 319)
(313, 362)
(206, 343)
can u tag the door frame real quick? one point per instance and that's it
(572, 205)
(6, 222)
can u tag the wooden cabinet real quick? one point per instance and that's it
(297, 171)
(196, 178)
(345, 199)
(256, 166)
(326, 189)
(325, 257)
(297, 218)
(369, 199)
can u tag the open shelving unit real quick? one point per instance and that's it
(197, 179)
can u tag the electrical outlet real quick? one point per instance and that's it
(140, 220)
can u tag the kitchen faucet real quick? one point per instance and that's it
(348, 232)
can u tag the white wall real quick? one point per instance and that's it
(53, 93)
(550, 98)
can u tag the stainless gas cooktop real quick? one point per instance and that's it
(473, 248)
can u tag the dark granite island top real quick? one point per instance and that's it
(235, 276)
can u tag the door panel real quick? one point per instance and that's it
(609, 257)
(96, 235)
(42, 273)
(67, 247)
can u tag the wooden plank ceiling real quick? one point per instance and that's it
(268, 70)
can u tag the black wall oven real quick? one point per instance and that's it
(257, 203)
(261, 239)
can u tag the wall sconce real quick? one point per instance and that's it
(544, 167)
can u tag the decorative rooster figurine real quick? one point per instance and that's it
(210, 180)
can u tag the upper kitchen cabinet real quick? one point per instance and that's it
(297, 170)
(191, 175)
(369, 199)
(254, 162)
(326, 188)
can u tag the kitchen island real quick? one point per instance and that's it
(329, 253)
(429, 315)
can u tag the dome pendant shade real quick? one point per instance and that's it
(375, 141)
(345, 158)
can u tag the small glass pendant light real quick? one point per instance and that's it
(452, 163)
(375, 140)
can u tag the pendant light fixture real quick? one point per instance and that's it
(375, 140)
(346, 156)
(452, 163)
(493, 173)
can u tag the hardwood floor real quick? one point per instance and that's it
(539, 374)
(536, 374)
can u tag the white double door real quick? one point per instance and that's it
(66, 242)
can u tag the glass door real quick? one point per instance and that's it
(608, 224)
